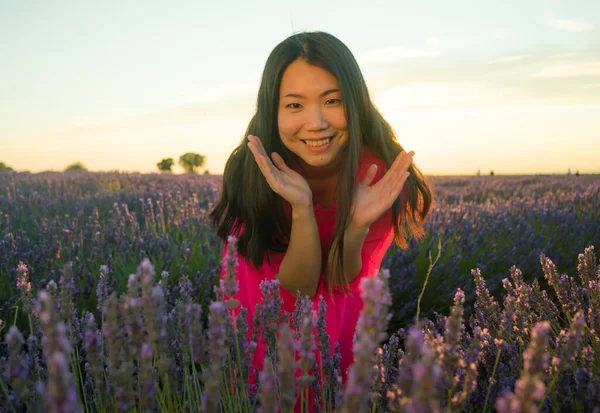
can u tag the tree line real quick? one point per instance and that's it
(189, 161)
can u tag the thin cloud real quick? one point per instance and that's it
(435, 95)
(570, 69)
(433, 41)
(563, 55)
(394, 53)
(572, 26)
(509, 59)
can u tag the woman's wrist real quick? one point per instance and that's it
(354, 231)
(302, 210)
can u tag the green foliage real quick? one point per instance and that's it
(76, 167)
(4, 167)
(165, 165)
(191, 161)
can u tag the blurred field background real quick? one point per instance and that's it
(118, 219)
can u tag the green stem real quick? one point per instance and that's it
(6, 394)
(487, 395)
(16, 313)
(431, 265)
(240, 370)
(77, 370)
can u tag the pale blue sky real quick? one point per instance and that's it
(505, 85)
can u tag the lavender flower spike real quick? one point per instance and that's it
(24, 286)
(268, 399)
(530, 389)
(60, 394)
(231, 262)
(217, 336)
(16, 371)
(287, 367)
(102, 290)
(370, 331)
(23, 283)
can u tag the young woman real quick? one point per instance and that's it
(319, 187)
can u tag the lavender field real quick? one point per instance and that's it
(108, 302)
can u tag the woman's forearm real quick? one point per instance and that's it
(301, 265)
(354, 239)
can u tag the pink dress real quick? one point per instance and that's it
(342, 310)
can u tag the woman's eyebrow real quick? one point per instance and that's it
(295, 95)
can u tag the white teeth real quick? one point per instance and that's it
(318, 143)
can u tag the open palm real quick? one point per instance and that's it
(286, 182)
(370, 202)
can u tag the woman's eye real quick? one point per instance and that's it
(294, 106)
(333, 101)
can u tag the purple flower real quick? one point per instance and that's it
(133, 286)
(370, 331)
(231, 262)
(568, 293)
(147, 377)
(267, 396)
(486, 308)
(569, 343)
(418, 388)
(16, 373)
(60, 393)
(23, 283)
(218, 321)
(67, 305)
(286, 368)
(94, 354)
(530, 389)
(588, 268)
(102, 290)
(306, 345)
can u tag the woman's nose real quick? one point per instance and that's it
(316, 119)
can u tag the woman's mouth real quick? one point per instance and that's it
(319, 143)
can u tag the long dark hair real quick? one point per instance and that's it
(246, 198)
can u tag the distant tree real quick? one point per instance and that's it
(206, 172)
(577, 173)
(491, 173)
(165, 165)
(191, 161)
(5, 167)
(76, 167)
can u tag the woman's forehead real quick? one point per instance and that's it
(302, 79)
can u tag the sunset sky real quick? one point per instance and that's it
(509, 86)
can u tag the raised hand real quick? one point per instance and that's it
(286, 182)
(370, 202)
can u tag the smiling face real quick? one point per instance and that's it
(311, 118)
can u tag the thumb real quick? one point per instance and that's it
(369, 175)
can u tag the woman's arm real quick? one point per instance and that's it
(300, 268)
(301, 265)
(354, 239)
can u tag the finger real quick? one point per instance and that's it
(401, 163)
(280, 163)
(258, 143)
(264, 163)
(399, 184)
(393, 180)
(369, 175)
